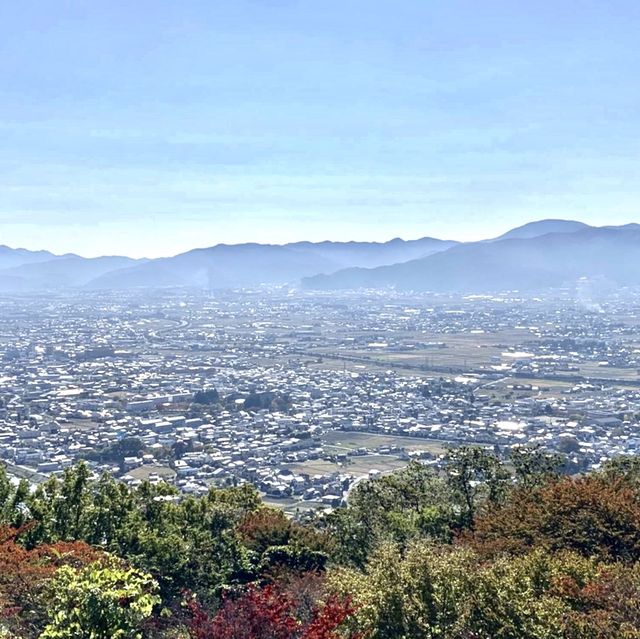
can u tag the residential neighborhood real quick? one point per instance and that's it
(303, 394)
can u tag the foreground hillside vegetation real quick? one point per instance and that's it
(481, 550)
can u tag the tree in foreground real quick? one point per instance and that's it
(24, 575)
(271, 613)
(592, 516)
(100, 601)
(433, 592)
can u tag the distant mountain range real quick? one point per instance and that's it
(543, 227)
(221, 266)
(539, 255)
(245, 265)
(62, 271)
(10, 257)
(530, 257)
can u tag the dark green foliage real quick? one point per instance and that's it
(125, 447)
(479, 549)
(410, 503)
(626, 469)
(534, 466)
(475, 475)
(292, 558)
(208, 397)
(268, 401)
(195, 544)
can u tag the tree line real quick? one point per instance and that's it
(479, 549)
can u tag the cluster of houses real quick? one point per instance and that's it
(209, 391)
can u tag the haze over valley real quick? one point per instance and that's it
(319, 319)
(539, 255)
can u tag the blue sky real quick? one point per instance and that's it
(152, 127)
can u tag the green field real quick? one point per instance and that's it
(143, 472)
(343, 440)
(359, 466)
(290, 504)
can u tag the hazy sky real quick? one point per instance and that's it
(148, 127)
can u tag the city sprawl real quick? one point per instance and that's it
(303, 394)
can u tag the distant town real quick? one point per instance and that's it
(303, 394)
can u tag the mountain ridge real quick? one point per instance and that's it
(539, 254)
(250, 264)
(544, 261)
(64, 271)
(543, 227)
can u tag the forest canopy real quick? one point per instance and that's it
(481, 549)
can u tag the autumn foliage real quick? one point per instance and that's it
(472, 551)
(268, 613)
(25, 573)
(593, 516)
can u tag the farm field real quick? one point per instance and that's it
(291, 505)
(459, 350)
(143, 472)
(345, 440)
(355, 466)
(591, 369)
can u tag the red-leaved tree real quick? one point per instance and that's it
(268, 613)
(24, 574)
